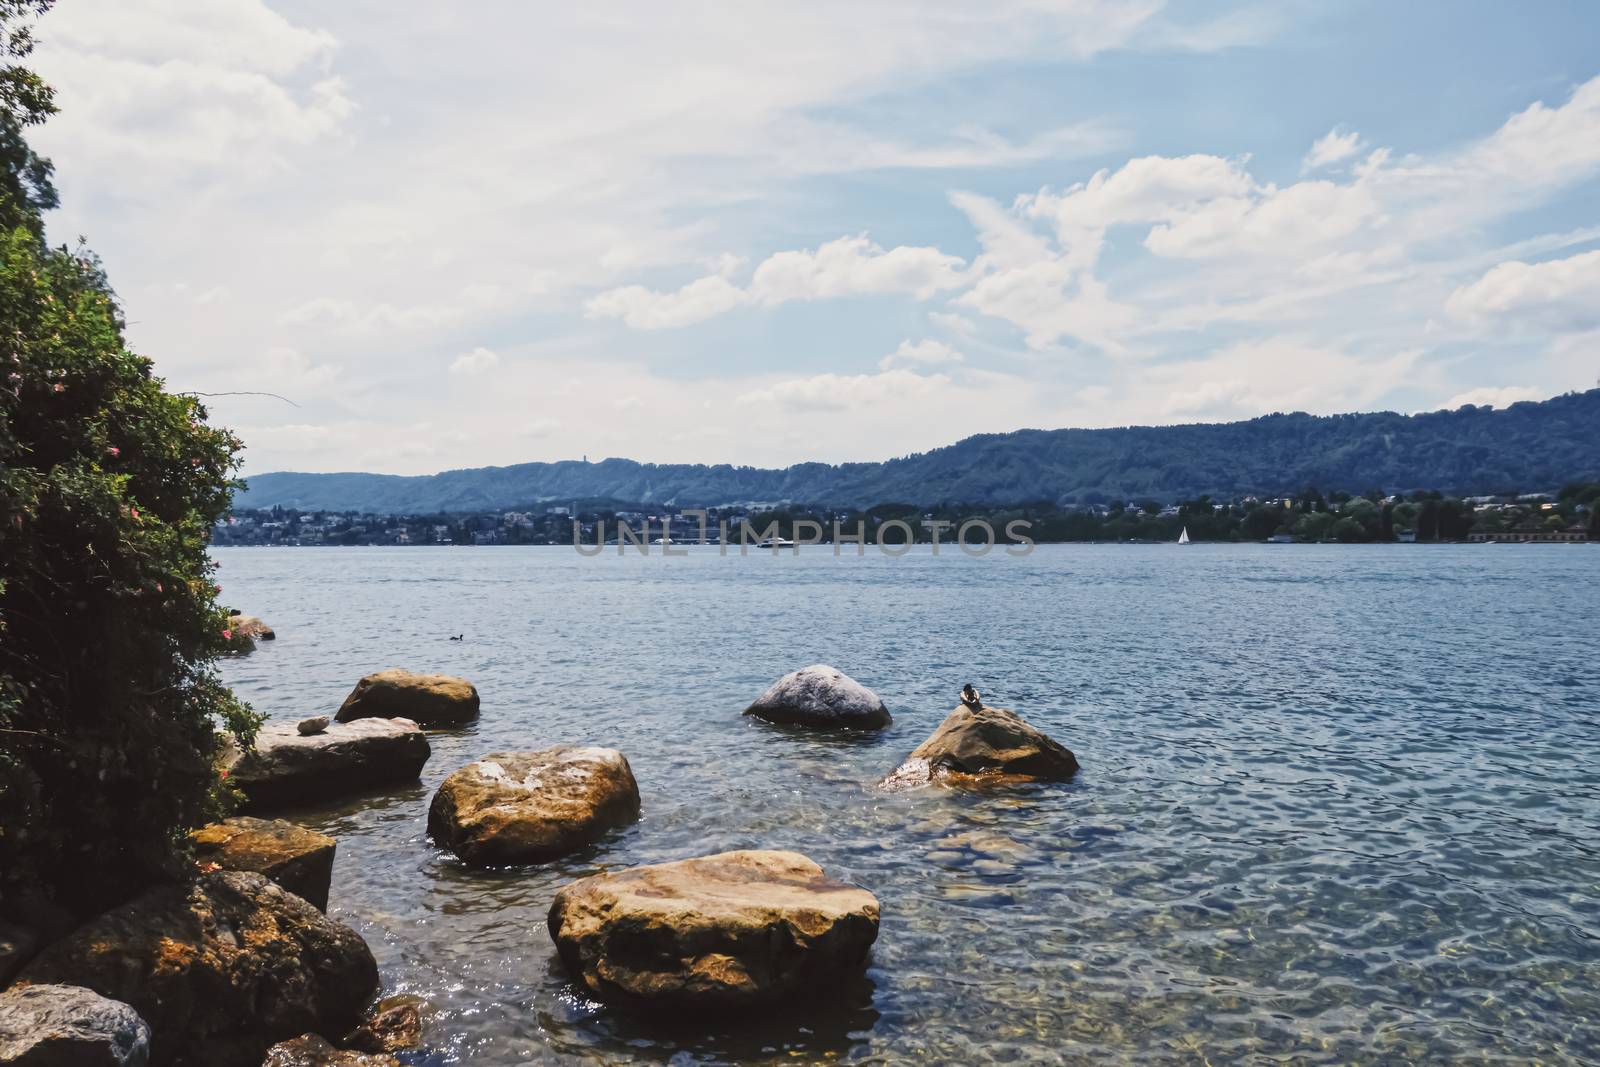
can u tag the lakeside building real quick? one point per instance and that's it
(1529, 536)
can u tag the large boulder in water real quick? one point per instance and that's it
(286, 767)
(69, 1026)
(298, 859)
(220, 968)
(975, 745)
(528, 807)
(433, 701)
(821, 696)
(735, 930)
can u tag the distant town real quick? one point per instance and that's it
(1568, 514)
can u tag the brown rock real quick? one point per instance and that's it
(430, 700)
(316, 724)
(287, 768)
(249, 626)
(309, 1050)
(528, 807)
(220, 968)
(977, 745)
(393, 1026)
(738, 929)
(298, 859)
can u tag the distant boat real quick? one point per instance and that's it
(1183, 538)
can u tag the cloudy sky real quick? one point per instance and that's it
(467, 234)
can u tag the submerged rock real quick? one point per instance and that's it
(249, 626)
(974, 745)
(432, 701)
(69, 1026)
(286, 767)
(739, 929)
(823, 697)
(220, 968)
(393, 1025)
(528, 807)
(298, 859)
(309, 1050)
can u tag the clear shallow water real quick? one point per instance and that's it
(1337, 805)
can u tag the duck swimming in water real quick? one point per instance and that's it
(459, 637)
(970, 697)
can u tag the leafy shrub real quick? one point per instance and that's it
(111, 714)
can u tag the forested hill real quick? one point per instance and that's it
(1472, 449)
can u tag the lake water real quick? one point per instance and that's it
(1337, 805)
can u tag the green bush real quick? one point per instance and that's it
(111, 713)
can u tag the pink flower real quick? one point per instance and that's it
(134, 512)
(216, 589)
(60, 388)
(159, 589)
(227, 635)
(114, 451)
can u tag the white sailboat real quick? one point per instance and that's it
(1183, 538)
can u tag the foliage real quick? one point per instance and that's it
(1470, 450)
(111, 714)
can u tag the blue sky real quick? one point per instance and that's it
(489, 233)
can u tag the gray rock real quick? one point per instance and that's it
(823, 697)
(69, 1026)
(286, 767)
(314, 725)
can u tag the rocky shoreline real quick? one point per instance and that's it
(240, 966)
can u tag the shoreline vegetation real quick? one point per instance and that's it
(1570, 514)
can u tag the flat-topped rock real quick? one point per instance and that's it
(298, 859)
(433, 701)
(528, 807)
(286, 767)
(734, 930)
(974, 745)
(822, 697)
(220, 968)
(69, 1026)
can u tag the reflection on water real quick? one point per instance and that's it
(1338, 804)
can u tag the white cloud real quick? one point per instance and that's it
(849, 266)
(1332, 147)
(927, 353)
(854, 266)
(1561, 295)
(646, 309)
(1494, 396)
(476, 362)
(169, 87)
(844, 392)
(1278, 374)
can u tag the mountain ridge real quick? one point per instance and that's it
(1468, 449)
